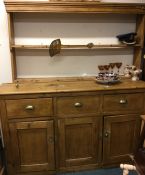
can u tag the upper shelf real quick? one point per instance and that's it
(69, 47)
(73, 7)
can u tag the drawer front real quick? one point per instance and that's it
(78, 105)
(29, 107)
(123, 102)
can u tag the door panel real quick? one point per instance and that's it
(120, 137)
(33, 145)
(79, 141)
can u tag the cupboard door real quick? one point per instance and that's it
(121, 135)
(32, 146)
(79, 141)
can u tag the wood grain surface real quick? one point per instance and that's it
(68, 86)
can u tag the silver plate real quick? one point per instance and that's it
(108, 81)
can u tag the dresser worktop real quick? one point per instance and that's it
(67, 86)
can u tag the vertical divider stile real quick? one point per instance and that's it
(12, 42)
(140, 27)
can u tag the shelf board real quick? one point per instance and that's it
(77, 47)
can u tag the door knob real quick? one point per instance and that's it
(51, 139)
(106, 134)
(123, 101)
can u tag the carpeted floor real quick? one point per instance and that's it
(109, 171)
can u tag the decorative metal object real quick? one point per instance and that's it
(55, 47)
(17, 84)
(90, 45)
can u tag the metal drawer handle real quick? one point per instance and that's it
(123, 101)
(77, 104)
(29, 108)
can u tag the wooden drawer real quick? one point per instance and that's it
(123, 102)
(29, 107)
(78, 105)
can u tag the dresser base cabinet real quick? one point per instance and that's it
(73, 132)
(32, 146)
(121, 134)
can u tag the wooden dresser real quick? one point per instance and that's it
(69, 125)
(61, 126)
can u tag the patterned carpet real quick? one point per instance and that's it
(109, 171)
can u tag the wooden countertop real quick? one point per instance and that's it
(67, 86)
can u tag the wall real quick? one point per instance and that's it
(5, 65)
(81, 29)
